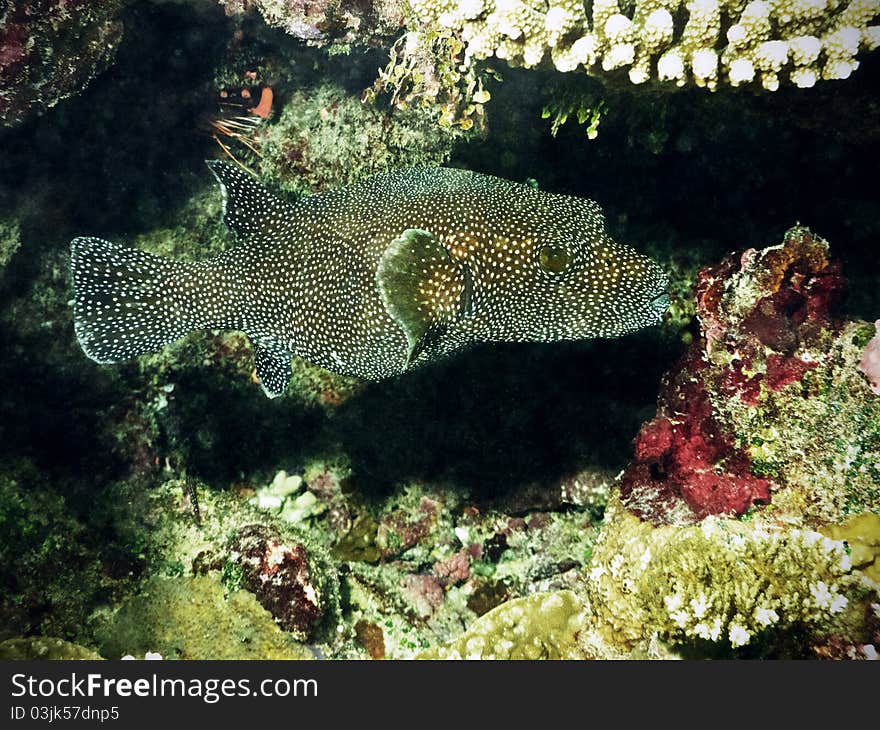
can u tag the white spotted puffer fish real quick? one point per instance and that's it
(375, 278)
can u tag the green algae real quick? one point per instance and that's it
(10, 241)
(193, 618)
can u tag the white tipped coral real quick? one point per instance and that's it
(771, 42)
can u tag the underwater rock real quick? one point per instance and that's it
(288, 579)
(338, 22)
(192, 618)
(325, 137)
(43, 647)
(765, 418)
(403, 528)
(52, 49)
(768, 396)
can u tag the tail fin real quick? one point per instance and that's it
(128, 302)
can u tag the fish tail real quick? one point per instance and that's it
(128, 302)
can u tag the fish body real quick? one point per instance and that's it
(375, 278)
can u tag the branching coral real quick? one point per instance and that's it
(721, 581)
(705, 42)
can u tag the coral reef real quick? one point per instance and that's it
(164, 508)
(705, 42)
(51, 49)
(50, 572)
(765, 418)
(320, 136)
(767, 397)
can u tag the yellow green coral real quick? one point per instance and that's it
(191, 618)
(43, 647)
(679, 41)
(723, 580)
(862, 535)
(540, 626)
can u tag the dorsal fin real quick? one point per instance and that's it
(249, 210)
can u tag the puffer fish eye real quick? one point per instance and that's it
(554, 259)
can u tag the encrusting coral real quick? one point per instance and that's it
(704, 42)
(540, 626)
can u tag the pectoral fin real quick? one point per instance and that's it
(273, 370)
(423, 288)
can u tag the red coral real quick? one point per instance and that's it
(686, 456)
(757, 309)
(401, 530)
(782, 371)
